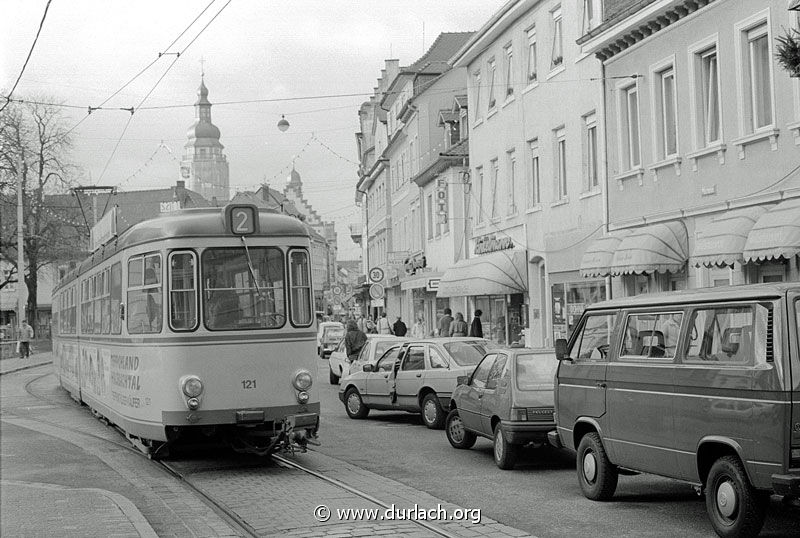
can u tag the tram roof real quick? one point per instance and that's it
(188, 223)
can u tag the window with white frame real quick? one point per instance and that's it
(560, 161)
(494, 211)
(430, 217)
(629, 132)
(557, 53)
(708, 110)
(509, 70)
(591, 15)
(479, 189)
(757, 77)
(666, 104)
(531, 71)
(590, 141)
(477, 82)
(534, 186)
(511, 208)
(492, 68)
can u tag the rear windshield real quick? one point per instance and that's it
(332, 334)
(535, 372)
(382, 345)
(467, 353)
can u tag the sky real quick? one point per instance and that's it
(302, 59)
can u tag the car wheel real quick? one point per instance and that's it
(333, 378)
(597, 476)
(457, 434)
(354, 405)
(432, 413)
(505, 453)
(734, 506)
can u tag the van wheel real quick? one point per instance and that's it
(457, 434)
(597, 476)
(505, 453)
(432, 413)
(333, 378)
(354, 405)
(734, 506)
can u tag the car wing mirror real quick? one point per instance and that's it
(462, 380)
(561, 350)
(367, 368)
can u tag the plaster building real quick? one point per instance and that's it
(204, 166)
(703, 130)
(537, 173)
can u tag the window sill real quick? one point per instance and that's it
(492, 112)
(535, 209)
(530, 86)
(770, 133)
(478, 122)
(510, 99)
(590, 193)
(560, 202)
(512, 216)
(674, 161)
(637, 173)
(795, 128)
(718, 148)
(494, 220)
(556, 70)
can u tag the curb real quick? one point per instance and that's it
(26, 367)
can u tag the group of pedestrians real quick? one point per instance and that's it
(449, 326)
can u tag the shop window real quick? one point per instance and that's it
(569, 300)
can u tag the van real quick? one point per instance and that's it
(696, 385)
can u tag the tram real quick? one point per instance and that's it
(195, 326)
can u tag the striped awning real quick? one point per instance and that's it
(722, 242)
(776, 234)
(597, 259)
(662, 247)
(498, 273)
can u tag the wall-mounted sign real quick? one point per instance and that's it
(415, 263)
(376, 274)
(492, 243)
(433, 284)
(168, 207)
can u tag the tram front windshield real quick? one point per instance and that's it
(242, 295)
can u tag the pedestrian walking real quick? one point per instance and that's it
(458, 327)
(476, 329)
(354, 340)
(383, 325)
(399, 328)
(418, 329)
(25, 337)
(370, 327)
(444, 322)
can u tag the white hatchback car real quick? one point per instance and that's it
(376, 346)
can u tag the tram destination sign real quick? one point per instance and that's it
(242, 219)
(104, 230)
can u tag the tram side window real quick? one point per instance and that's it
(243, 289)
(87, 310)
(116, 298)
(183, 291)
(98, 302)
(301, 288)
(144, 294)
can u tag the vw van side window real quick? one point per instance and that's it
(727, 335)
(595, 337)
(481, 374)
(652, 336)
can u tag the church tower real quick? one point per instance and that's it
(204, 166)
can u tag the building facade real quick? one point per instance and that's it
(703, 130)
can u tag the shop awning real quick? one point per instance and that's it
(496, 273)
(722, 241)
(776, 234)
(597, 259)
(662, 247)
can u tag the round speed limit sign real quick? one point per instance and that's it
(376, 274)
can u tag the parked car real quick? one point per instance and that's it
(421, 379)
(339, 365)
(328, 336)
(509, 399)
(699, 385)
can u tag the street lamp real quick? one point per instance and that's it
(283, 124)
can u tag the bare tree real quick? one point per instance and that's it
(36, 136)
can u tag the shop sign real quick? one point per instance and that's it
(492, 243)
(397, 258)
(433, 284)
(415, 264)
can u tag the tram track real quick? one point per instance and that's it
(231, 517)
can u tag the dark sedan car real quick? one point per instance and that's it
(509, 399)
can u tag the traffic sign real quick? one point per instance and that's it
(376, 291)
(376, 274)
(336, 289)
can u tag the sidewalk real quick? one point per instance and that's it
(15, 364)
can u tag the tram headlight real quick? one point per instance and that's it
(302, 380)
(193, 403)
(302, 397)
(191, 386)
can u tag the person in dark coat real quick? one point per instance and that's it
(444, 323)
(354, 340)
(476, 329)
(399, 328)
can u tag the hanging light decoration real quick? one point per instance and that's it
(283, 124)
